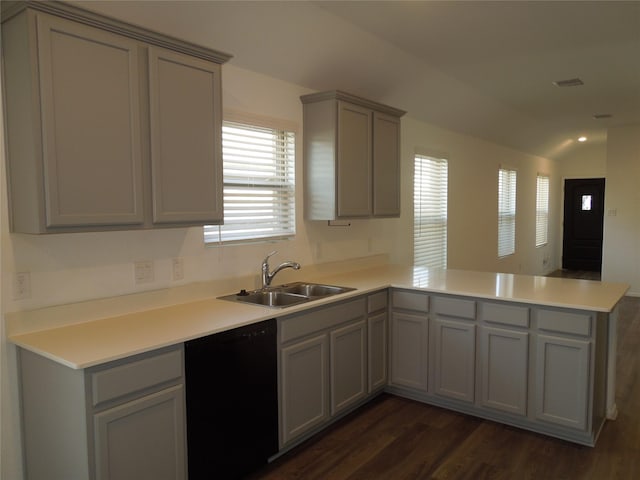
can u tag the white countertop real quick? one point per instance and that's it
(94, 342)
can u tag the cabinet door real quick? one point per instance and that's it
(304, 384)
(354, 160)
(377, 351)
(348, 366)
(409, 336)
(504, 365)
(186, 145)
(386, 165)
(454, 358)
(89, 88)
(143, 439)
(562, 381)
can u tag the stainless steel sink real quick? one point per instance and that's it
(286, 295)
(272, 298)
(314, 289)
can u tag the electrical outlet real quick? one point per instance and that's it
(22, 286)
(143, 271)
(177, 269)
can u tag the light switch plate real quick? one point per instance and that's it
(143, 271)
(177, 269)
(22, 286)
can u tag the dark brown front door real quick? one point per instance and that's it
(583, 219)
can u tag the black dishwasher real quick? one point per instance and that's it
(232, 401)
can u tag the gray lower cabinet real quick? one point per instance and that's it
(377, 328)
(562, 381)
(565, 369)
(540, 368)
(504, 357)
(409, 335)
(453, 350)
(348, 365)
(324, 356)
(304, 387)
(124, 420)
(454, 358)
(143, 438)
(105, 129)
(504, 366)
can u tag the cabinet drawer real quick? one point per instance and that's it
(455, 307)
(320, 319)
(565, 322)
(514, 315)
(410, 300)
(135, 376)
(377, 301)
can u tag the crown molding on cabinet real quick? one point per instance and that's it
(71, 12)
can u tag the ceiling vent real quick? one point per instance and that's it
(571, 82)
(600, 116)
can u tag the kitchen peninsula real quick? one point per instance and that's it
(533, 352)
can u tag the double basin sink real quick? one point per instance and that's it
(286, 295)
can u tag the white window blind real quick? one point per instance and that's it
(506, 212)
(259, 184)
(542, 209)
(430, 212)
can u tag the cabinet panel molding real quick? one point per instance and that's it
(352, 157)
(454, 359)
(386, 171)
(304, 387)
(354, 161)
(143, 438)
(409, 344)
(562, 381)
(78, 96)
(348, 366)
(377, 351)
(186, 156)
(505, 369)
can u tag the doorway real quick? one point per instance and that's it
(583, 224)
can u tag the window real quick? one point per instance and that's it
(506, 212)
(542, 209)
(430, 212)
(259, 184)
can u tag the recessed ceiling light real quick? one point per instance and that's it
(582, 139)
(599, 116)
(571, 82)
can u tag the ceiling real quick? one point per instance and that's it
(482, 68)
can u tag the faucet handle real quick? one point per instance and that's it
(266, 259)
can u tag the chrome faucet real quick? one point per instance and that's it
(267, 276)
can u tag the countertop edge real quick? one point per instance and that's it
(118, 337)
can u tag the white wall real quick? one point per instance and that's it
(473, 199)
(621, 250)
(73, 267)
(584, 161)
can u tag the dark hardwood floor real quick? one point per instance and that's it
(395, 438)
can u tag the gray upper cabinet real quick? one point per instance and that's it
(107, 126)
(352, 157)
(186, 129)
(386, 173)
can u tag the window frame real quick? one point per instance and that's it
(507, 210)
(542, 209)
(214, 235)
(430, 227)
